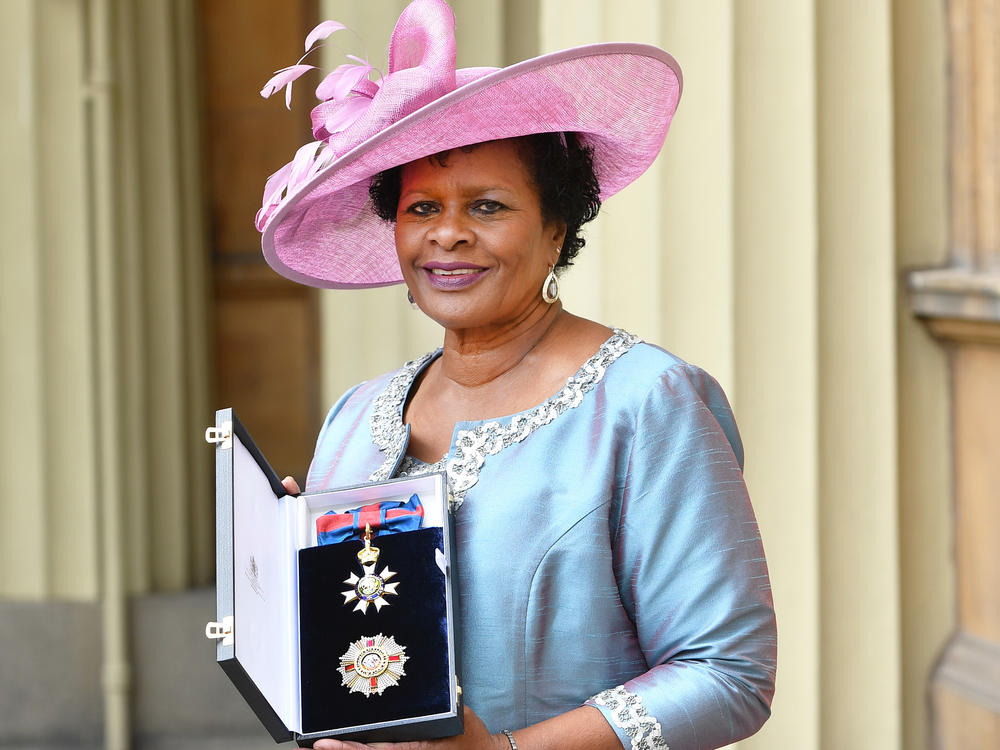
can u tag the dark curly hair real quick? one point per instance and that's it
(563, 174)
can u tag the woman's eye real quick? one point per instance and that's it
(488, 207)
(422, 208)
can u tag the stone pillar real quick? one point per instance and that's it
(960, 304)
(103, 377)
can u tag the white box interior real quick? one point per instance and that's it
(263, 585)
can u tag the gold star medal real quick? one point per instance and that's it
(369, 588)
(371, 664)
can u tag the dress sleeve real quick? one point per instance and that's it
(318, 451)
(691, 572)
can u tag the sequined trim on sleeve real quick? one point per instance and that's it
(629, 714)
(488, 438)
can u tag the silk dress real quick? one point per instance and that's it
(608, 551)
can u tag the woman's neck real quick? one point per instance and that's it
(473, 358)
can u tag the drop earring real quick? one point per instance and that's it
(550, 287)
(413, 302)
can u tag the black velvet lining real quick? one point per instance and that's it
(416, 617)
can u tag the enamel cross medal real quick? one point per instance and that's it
(369, 588)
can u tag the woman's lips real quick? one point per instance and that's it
(452, 275)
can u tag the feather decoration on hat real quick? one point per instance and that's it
(345, 95)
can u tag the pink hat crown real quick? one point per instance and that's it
(421, 69)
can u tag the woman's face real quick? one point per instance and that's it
(472, 244)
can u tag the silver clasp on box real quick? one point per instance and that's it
(221, 436)
(223, 630)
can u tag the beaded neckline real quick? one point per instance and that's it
(413, 467)
(486, 438)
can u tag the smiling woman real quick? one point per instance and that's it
(473, 245)
(612, 585)
(475, 248)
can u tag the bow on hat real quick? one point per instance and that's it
(421, 69)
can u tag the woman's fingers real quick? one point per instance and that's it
(330, 744)
(292, 487)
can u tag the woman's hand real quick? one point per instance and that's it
(476, 737)
(290, 485)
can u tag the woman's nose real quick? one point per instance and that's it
(450, 230)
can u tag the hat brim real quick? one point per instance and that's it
(619, 97)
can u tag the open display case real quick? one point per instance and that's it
(322, 641)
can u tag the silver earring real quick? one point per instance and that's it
(413, 302)
(550, 287)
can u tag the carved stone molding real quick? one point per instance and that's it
(970, 666)
(965, 694)
(955, 293)
(963, 331)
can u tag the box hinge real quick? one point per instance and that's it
(221, 436)
(223, 630)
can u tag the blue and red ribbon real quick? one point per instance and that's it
(384, 518)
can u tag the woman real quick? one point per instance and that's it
(612, 583)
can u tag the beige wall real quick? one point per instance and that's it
(48, 542)
(926, 523)
(103, 378)
(776, 345)
(804, 170)
(857, 377)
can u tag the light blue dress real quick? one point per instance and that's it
(608, 553)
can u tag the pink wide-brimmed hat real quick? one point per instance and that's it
(318, 226)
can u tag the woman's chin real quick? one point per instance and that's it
(456, 312)
(456, 319)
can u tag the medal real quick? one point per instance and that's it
(372, 664)
(369, 588)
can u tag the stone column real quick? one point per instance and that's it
(960, 304)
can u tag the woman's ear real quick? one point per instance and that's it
(558, 238)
